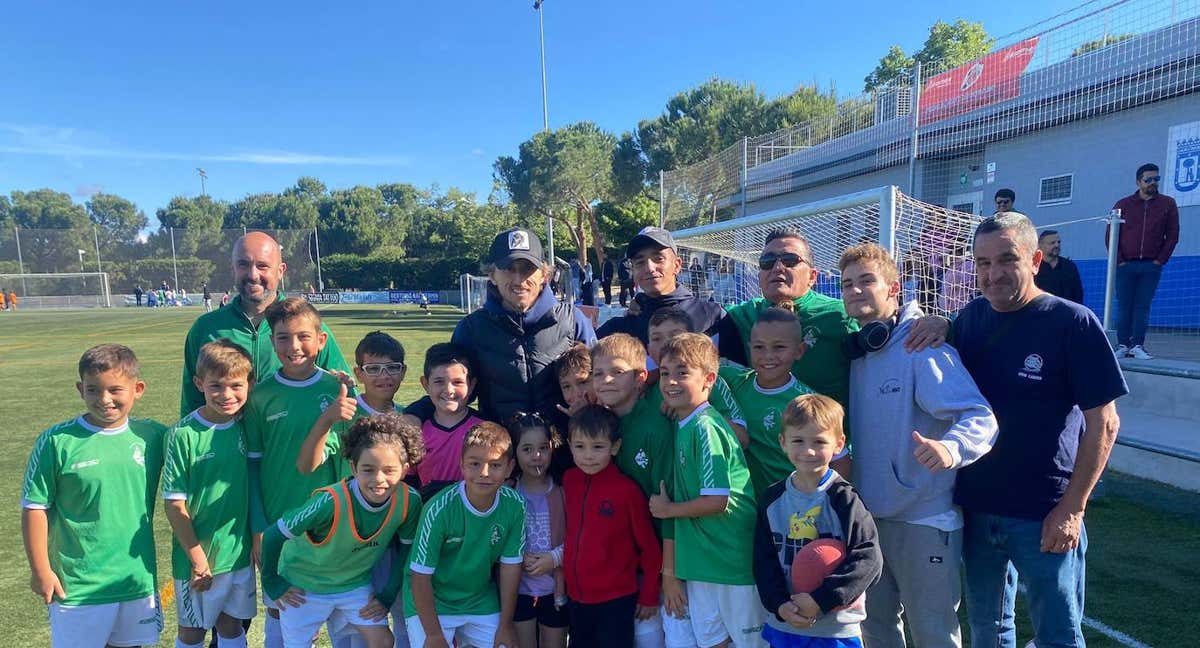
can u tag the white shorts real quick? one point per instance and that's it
(725, 611)
(231, 593)
(129, 623)
(664, 631)
(300, 624)
(475, 630)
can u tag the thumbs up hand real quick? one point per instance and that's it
(661, 505)
(931, 453)
(346, 407)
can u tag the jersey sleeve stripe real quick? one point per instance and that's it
(714, 491)
(513, 560)
(283, 528)
(422, 569)
(34, 506)
(428, 518)
(174, 495)
(254, 455)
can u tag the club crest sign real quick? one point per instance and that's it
(1183, 164)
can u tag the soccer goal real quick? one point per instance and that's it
(472, 291)
(931, 245)
(58, 289)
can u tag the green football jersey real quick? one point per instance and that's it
(278, 416)
(647, 451)
(206, 467)
(336, 537)
(98, 488)
(458, 544)
(715, 548)
(720, 397)
(764, 415)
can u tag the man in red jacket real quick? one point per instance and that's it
(1147, 239)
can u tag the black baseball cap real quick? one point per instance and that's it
(650, 236)
(512, 244)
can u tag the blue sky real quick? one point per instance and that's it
(131, 97)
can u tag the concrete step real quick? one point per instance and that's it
(1146, 441)
(1163, 387)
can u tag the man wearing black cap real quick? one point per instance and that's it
(656, 267)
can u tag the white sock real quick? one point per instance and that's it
(179, 644)
(236, 642)
(273, 633)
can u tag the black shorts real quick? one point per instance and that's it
(542, 609)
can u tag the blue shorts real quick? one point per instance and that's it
(779, 639)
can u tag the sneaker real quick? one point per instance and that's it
(1140, 353)
(1121, 351)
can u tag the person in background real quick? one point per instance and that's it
(1146, 240)
(607, 270)
(207, 296)
(625, 278)
(1004, 199)
(137, 294)
(1057, 275)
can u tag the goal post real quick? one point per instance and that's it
(59, 289)
(931, 245)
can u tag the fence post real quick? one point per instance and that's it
(174, 263)
(1110, 287)
(662, 203)
(887, 220)
(99, 269)
(915, 111)
(20, 262)
(317, 244)
(745, 172)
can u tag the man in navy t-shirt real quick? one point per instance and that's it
(1046, 367)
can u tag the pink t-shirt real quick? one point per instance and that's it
(443, 450)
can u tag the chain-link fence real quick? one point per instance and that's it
(180, 262)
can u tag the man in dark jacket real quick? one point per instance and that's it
(656, 268)
(607, 270)
(1146, 241)
(1057, 274)
(625, 279)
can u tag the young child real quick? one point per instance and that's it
(541, 616)
(279, 413)
(92, 557)
(814, 502)
(609, 538)
(318, 558)
(206, 485)
(665, 324)
(646, 456)
(776, 341)
(379, 367)
(574, 368)
(714, 509)
(450, 593)
(449, 380)
(911, 440)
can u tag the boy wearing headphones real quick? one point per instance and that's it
(916, 418)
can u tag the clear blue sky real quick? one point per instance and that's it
(131, 97)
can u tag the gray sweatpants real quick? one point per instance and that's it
(921, 580)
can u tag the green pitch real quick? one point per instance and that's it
(1143, 578)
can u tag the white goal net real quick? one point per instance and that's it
(58, 289)
(931, 245)
(472, 292)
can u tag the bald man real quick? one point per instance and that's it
(258, 268)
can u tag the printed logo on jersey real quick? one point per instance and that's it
(607, 509)
(641, 458)
(804, 527)
(494, 538)
(241, 445)
(139, 454)
(810, 337)
(325, 401)
(769, 420)
(682, 459)
(1032, 368)
(276, 416)
(890, 386)
(85, 464)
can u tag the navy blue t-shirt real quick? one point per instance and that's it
(1038, 367)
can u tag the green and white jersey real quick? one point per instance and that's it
(337, 536)
(720, 397)
(98, 487)
(647, 453)
(206, 467)
(366, 410)
(278, 416)
(764, 415)
(714, 548)
(458, 544)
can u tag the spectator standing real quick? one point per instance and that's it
(607, 270)
(625, 279)
(1005, 199)
(137, 294)
(1057, 274)
(207, 295)
(1147, 239)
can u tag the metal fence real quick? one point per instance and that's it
(183, 260)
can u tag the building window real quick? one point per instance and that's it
(1056, 190)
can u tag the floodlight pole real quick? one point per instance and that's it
(174, 262)
(915, 110)
(203, 177)
(20, 262)
(537, 6)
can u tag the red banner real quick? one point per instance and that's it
(989, 80)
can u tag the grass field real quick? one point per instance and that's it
(1143, 577)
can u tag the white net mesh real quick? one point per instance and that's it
(931, 247)
(472, 292)
(58, 290)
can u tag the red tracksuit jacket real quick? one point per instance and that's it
(609, 538)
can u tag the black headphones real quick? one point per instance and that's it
(872, 337)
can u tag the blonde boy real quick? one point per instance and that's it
(92, 557)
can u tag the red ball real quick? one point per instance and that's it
(815, 562)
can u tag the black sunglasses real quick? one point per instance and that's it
(789, 259)
(1152, 179)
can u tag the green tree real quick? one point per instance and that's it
(359, 221)
(569, 171)
(52, 228)
(947, 46)
(118, 220)
(620, 222)
(1100, 43)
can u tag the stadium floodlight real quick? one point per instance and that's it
(537, 6)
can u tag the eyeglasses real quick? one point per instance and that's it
(392, 368)
(789, 259)
(1152, 179)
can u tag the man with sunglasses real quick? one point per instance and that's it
(1144, 245)
(786, 276)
